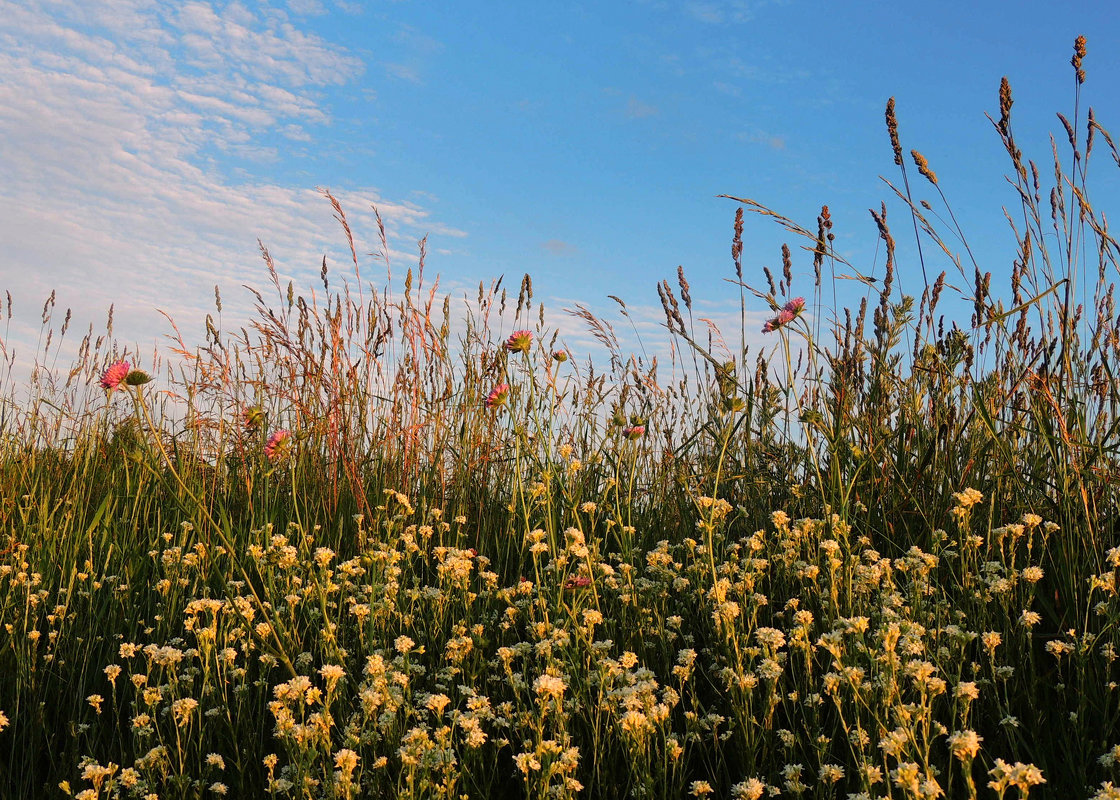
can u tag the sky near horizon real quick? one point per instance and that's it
(149, 145)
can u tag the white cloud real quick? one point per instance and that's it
(110, 113)
(306, 7)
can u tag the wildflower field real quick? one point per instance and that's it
(372, 546)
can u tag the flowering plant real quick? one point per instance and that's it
(519, 341)
(788, 313)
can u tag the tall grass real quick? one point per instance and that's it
(377, 545)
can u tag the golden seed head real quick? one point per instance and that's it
(1005, 102)
(1078, 55)
(923, 167)
(892, 131)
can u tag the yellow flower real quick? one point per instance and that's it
(965, 744)
(182, 709)
(591, 617)
(346, 760)
(967, 690)
(527, 762)
(437, 702)
(968, 498)
(1058, 649)
(751, 789)
(549, 686)
(831, 773)
(332, 672)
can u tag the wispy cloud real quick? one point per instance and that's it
(558, 247)
(715, 12)
(405, 72)
(771, 140)
(418, 42)
(719, 12)
(114, 116)
(416, 50)
(310, 8)
(636, 109)
(705, 12)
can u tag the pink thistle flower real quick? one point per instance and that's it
(788, 313)
(114, 375)
(278, 444)
(634, 432)
(498, 396)
(795, 306)
(519, 341)
(560, 356)
(577, 582)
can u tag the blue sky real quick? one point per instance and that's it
(148, 145)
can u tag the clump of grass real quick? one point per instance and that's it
(365, 547)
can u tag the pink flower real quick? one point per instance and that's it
(114, 374)
(788, 313)
(519, 341)
(577, 582)
(278, 444)
(560, 356)
(498, 396)
(634, 432)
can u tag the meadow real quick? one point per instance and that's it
(373, 546)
